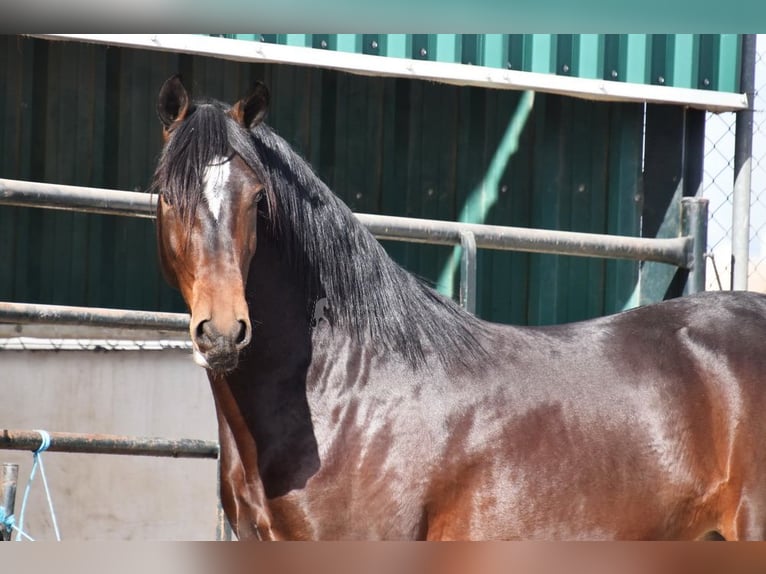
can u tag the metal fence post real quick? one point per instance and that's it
(468, 271)
(743, 158)
(9, 475)
(694, 224)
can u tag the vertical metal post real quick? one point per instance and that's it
(694, 224)
(9, 476)
(743, 153)
(468, 271)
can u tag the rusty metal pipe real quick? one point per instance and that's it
(110, 444)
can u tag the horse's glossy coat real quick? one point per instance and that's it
(355, 403)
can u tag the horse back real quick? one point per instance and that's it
(610, 428)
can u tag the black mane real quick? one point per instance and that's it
(369, 294)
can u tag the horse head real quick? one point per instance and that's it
(207, 215)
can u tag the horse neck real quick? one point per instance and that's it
(279, 309)
(271, 379)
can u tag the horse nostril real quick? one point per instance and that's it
(201, 332)
(242, 335)
(207, 336)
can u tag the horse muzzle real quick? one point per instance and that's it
(218, 349)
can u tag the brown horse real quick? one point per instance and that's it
(391, 413)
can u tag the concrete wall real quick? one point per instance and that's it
(103, 497)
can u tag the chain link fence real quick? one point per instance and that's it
(718, 184)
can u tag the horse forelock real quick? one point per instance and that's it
(195, 144)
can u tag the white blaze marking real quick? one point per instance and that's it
(215, 180)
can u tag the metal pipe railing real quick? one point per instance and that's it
(683, 252)
(75, 198)
(32, 313)
(674, 250)
(92, 200)
(110, 444)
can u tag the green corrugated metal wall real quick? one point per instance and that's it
(704, 61)
(84, 115)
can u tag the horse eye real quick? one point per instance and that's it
(259, 196)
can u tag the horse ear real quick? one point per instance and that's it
(173, 102)
(251, 110)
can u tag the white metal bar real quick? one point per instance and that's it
(444, 72)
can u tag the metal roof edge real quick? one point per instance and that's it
(443, 72)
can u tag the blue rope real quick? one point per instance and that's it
(37, 460)
(8, 521)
